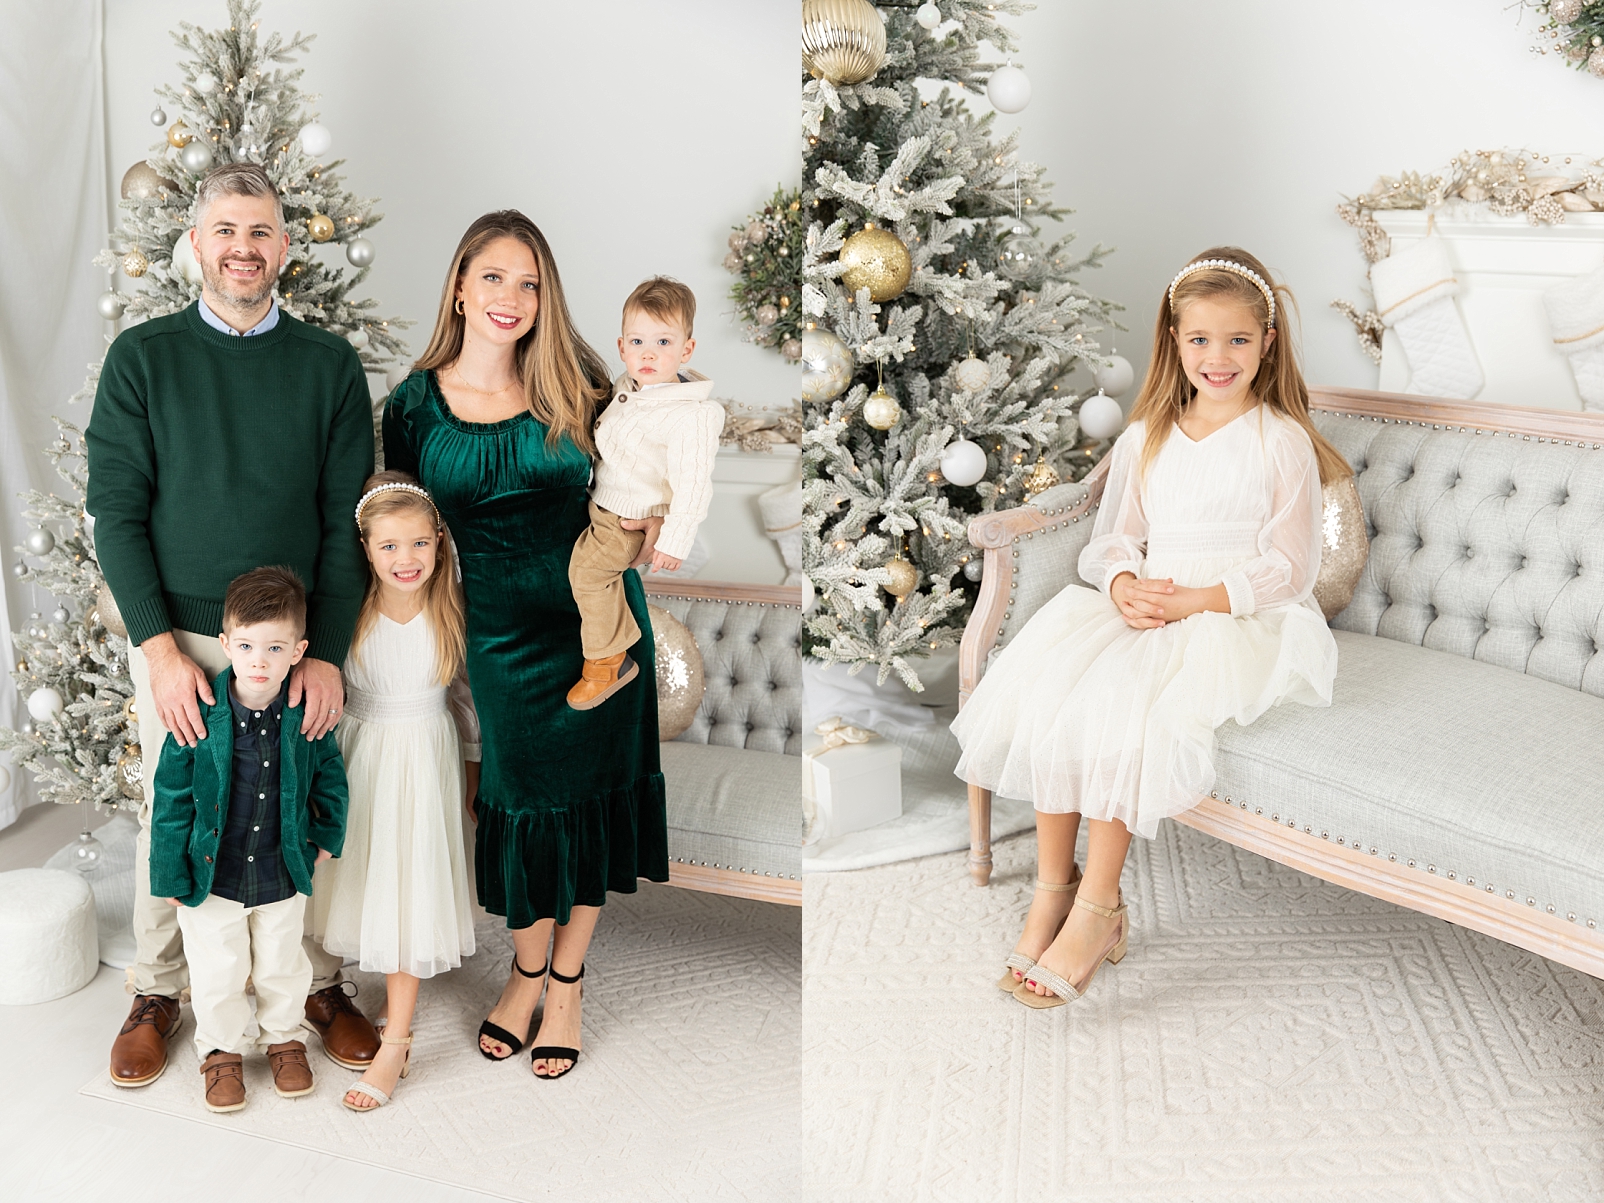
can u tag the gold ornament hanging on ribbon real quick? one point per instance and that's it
(878, 260)
(1043, 476)
(178, 135)
(135, 264)
(843, 41)
(904, 577)
(320, 226)
(881, 409)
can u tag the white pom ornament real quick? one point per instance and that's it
(1115, 376)
(1100, 416)
(44, 704)
(184, 261)
(394, 376)
(928, 15)
(972, 374)
(358, 338)
(963, 463)
(1008, 89)
(206, 83)
(315, 139)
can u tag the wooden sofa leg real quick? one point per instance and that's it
(980, 835)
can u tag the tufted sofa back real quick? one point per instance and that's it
(752, 661)
(1489, 545)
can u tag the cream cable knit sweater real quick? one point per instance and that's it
(657, 450)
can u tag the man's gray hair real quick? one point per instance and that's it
(236, 179)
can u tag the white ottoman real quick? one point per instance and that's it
(49, 945)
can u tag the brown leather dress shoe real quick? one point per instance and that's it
(139, 1054)
(600, 679)
(224, 1074)
(348, 1038)
(292, 1076)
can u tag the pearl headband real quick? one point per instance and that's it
(396, 487)
(1247, 273)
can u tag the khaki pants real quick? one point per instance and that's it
(227, 943)
(596, 574)
(158, 966)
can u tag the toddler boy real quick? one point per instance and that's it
(237, 825)
(656, 441)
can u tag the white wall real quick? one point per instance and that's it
(633, 132)
(1174, 126)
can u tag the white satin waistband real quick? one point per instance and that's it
(1216, 541)
(393, 708)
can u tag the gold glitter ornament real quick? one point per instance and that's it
(843, 41)
(178, 134)
(904, 577)
(141, 181)
(135, 264)
(1343, 546)
(1595, 63)
(320, 227)
(1565, 11)
(681, 678)
(878, 260)
(1042, 477)
(881, 409)
(131, 773)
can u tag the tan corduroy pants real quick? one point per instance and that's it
(596, 574)
(158, 966)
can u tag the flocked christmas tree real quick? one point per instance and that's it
(941, 329)
(239, 100)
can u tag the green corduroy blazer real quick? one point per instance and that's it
(192, 795)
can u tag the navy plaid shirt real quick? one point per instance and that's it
(250, 858)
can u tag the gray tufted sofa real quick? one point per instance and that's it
(735, 776)
(1460, 768)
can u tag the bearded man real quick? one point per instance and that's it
(225, 437)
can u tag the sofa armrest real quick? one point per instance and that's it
(1031, 554)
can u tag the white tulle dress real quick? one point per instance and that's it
(1080, 712)
(397, 898)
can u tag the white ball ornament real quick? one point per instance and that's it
(359, 252)
(358, 338)
(972, 375)
(206, 83)
(928, 15)
(315, 139)
(881, 409)
(810, 596)
(963, 463)
(110, 306)
(196, 157)
(39, 542)
(394, 376)
(1100, 416)
(44, 704)
(5, 779)
(1008, 89)
(158, 116)
(1115, 376)
(184, 261)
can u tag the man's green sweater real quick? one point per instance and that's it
(210, 455)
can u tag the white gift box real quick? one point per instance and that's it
(854, 785)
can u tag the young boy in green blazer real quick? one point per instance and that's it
(239, 822)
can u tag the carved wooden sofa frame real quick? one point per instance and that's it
(1549, 935)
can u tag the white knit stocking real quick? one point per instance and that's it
(1576, 319)
(1415, 290)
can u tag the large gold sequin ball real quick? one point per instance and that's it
(680, 677)
(1343, 546)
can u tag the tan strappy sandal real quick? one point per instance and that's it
(373, 1092)
(1063, 991)
(1018, 960)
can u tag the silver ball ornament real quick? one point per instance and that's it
(110, 306)
(827, 366)
(963, 463)
(196, 157)
(974, 569)
(1114, 376)
(1008, 89)
(19, 569)
(158, 116)
(359, 252)
(60, 614)
(27, 727)
(1100, 416)
(928, 15)
(39, 542)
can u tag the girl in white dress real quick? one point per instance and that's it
(397, 898)
(1202, 560)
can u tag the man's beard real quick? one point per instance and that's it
(235, 293)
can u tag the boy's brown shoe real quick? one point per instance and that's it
(600, 679)
(139, 1054)
(292, 1076)
(225, 1081)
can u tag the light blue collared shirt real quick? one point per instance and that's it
(217, 323)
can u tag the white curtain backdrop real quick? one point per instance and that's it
(53, 219)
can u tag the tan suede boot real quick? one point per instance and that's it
(600, 679)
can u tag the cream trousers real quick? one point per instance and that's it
(158, 966)
(227, 943)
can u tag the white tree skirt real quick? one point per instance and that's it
(1268, 1039)
(687, 1087)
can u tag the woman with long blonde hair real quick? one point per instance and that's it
(1203, 557)
(495, 421)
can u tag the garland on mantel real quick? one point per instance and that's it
(1574, 30)
(1505, 182)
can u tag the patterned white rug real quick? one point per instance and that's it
(1268, 1039)
(687, 1088)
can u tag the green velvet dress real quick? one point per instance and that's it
(570, 801)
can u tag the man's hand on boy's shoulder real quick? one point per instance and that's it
(318, 682)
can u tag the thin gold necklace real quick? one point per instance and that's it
(456, 370)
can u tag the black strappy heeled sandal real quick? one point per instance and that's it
(555, 1052)
(496, 1032)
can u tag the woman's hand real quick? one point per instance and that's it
(1141, 602)
(649, 544)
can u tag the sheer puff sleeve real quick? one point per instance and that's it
(459, 699)
(1288, 562)
(1119, 536)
